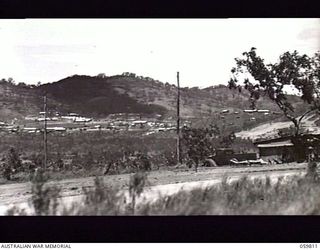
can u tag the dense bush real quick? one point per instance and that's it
(12, 163)
(199, 143)
(88, 154)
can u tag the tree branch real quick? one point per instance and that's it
(305, 113)
(290, 117)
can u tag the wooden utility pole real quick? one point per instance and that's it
(45, 130)
(178, 120)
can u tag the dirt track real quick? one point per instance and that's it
(167, 180)
(271, 129)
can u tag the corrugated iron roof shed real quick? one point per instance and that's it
(287, 143)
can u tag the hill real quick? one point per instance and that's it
(16, 102)
(95, 97)
(100, 96)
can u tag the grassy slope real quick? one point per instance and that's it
(95, 97)
(16, 101)
(98, 97)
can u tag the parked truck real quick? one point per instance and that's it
(227, 156)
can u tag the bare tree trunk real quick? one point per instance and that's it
(297, 129)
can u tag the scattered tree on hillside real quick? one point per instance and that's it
(101, 75)
(22, 84)
(129, 74)
(11, 81)
(301, 73)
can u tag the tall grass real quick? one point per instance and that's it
(294, 195)
(102, 199)
(44, 198)
(245, 196)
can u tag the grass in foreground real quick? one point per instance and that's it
(293, 195)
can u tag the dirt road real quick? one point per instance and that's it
(164, 182)
(271, 129)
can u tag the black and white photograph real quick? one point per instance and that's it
(160, 117)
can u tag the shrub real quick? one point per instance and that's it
(44, 198)
(12, 164)
(105, 147)
(295, 195)
(312, 174)
(59, 164)
(99, 200)
(245, 196)
(136, 185)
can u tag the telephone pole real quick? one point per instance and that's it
(45, 130)
(178, 121)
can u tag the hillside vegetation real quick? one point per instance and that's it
(16, 102)
(100, 96)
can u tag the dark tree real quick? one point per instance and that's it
(228, 140)
(22, 85)
(89, 161)
(10, 81)
(101, 75)
(12, 164)
(13, 159)
(59, 164)
(198, 143)
(299, 72)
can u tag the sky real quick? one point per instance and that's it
(202, 50)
